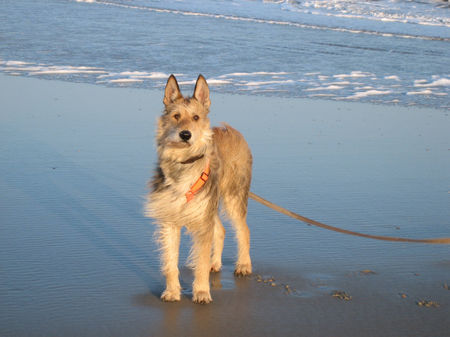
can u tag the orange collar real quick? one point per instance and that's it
(199, 183)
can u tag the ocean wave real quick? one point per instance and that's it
(39, 69)
(262, 15)
(261, 83)
(414, 12)
(440, 82)
(370, 92)
(426, 92)
(263, 73)
(355, 85)
(330, 87)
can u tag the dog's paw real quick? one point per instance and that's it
(216, 267)
(170, 296)
(202, 297)
(243, 269)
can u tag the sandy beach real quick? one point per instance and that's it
(77, 256)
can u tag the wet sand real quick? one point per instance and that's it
(76, 253)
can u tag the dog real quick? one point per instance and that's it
(199, 168)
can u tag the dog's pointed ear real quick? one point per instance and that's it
(172, 92)
(201, 91)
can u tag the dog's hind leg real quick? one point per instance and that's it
(219, 236)
(236, 208)
(169, 240)
(243, 263)
(201, 261)
(234, 187)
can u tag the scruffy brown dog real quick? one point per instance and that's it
(199, 167)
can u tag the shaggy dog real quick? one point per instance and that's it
(199, 168)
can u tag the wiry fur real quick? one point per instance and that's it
(180, 164)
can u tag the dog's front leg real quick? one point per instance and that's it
(169, 239)
(202, 264)
(219, 236)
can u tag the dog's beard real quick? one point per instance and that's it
(182, 152)
(178, 145)
(177, 150)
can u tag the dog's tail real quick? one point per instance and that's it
(339, 230)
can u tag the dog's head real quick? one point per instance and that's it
(183, 129)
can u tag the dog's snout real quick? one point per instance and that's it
(185, 135)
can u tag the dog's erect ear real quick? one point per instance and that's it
(172, 92)
(201, 91)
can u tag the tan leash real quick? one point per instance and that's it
(339, 230)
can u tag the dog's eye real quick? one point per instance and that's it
(176, 116)
(196, 118)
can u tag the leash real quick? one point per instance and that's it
(340, 230)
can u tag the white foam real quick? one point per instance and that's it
(267, 90)
(362, 94)
(442, 82)
(378, 11)
(330, 87)
(258, 83)
(322, 95)
(344, 86)
(186, 82)
(256, 73)
(133, 73)
(338, 83)
(42, 69)
(125, 80)
(62, 71)
(22, 69)
(354, 74)
(14, 63)
(324, 26)
(212, 81)
(392, 77)
(427, 92)
(157, 75)
(143, 74)
(137, 74)
(422, 92)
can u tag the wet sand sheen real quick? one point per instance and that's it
(76, 255)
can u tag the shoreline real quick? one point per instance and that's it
(129, 83)
(77, 254)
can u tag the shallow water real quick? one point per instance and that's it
(392, 52)
(77, 256)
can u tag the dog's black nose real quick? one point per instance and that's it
(185, 135)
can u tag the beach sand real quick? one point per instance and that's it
(77, 256)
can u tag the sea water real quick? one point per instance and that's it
(387, 51)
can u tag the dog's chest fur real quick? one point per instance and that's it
(167, 202)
